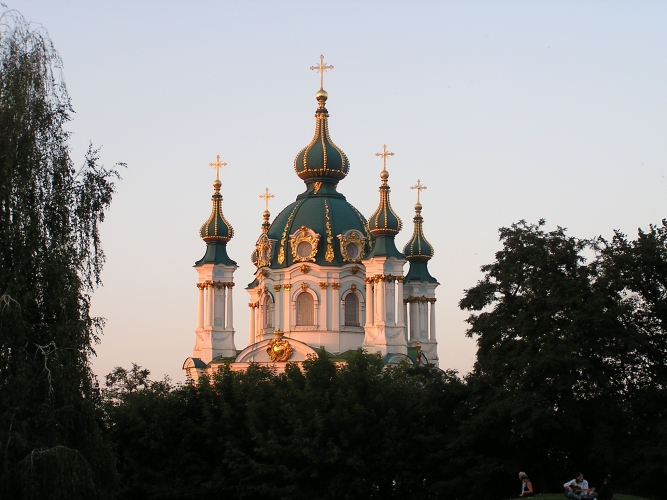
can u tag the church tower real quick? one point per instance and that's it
(385, 325)
(214, 336)
(419, 288)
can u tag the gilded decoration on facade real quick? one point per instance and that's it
(304, 244)
(287, 287)
(305, 268)
(276, 288)
(355, 270)
(352, 247)
(324, 286)
(279, 349)
(304, 285)
(329, 255)
(281, 253)
(317, 186)
(264, 249)
(335, 286)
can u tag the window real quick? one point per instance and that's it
(351, 310)
(268, 313)
(305, 314)
(304, 249)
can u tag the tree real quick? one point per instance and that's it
(50, 262)
(570, 360)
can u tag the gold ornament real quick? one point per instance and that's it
(279, 350)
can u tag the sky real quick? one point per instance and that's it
(505, 110)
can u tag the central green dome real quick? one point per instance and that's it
(325, 212)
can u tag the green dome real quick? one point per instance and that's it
(216, 227)
(321, 158)
(384, 222)
(418, 248)
(323, 212)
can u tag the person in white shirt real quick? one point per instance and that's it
(578, 489)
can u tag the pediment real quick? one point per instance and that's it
(257, 353)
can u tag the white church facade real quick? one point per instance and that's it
(326, 277)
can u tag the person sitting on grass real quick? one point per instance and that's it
(578, 489)
(526, 485)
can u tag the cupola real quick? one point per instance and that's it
(321, 160)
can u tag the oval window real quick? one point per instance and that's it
(304, 249)
(352, 251)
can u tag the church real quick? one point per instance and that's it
(327, 278)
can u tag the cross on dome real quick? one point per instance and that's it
(419, 187)
(266, 196)
(322, 67)
(216, 165)
(384, 155)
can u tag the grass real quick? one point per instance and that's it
(560, 496)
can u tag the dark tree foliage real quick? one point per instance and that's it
(570, 370)
(359, 431)
(50, 261)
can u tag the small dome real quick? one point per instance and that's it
(384, 220)
(321, 158)
(418, 248)
(216, 227)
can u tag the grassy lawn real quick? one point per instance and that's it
(560, 496)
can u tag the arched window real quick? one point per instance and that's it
(351, 310)
(305, 309)
(268, 313)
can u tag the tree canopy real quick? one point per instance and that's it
(50, 262)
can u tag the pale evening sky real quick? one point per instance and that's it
(505, 111)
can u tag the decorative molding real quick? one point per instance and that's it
(355, 270)
(281, 253)
(287, 287)
(304, 235)
(329, 254)
(353, 287)
(276, 288)
(304, 285)
(305, 268)
(324, 286)
(335, 286)
(353, 238)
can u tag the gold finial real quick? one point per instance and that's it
(322, 67)
(384, 155)
(216, 165)
(266, 196)
(419, 187)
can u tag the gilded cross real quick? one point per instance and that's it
(419, 187)
(216, 165)
(322, 67)
(266, 196)
(384, 155)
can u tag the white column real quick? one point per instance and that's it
(223, 303)
(230, 309)
(432, 332)
(414, 335)
(288, 320)
(391, 300)
(400, 320)
(382, 299)
(251, 339)
(208, 316)
(422, 318)
(200, 307)
(369, 302)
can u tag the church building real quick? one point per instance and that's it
(327, 278)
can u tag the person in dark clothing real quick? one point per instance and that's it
(606, 492)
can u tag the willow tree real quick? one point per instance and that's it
(50, 262)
